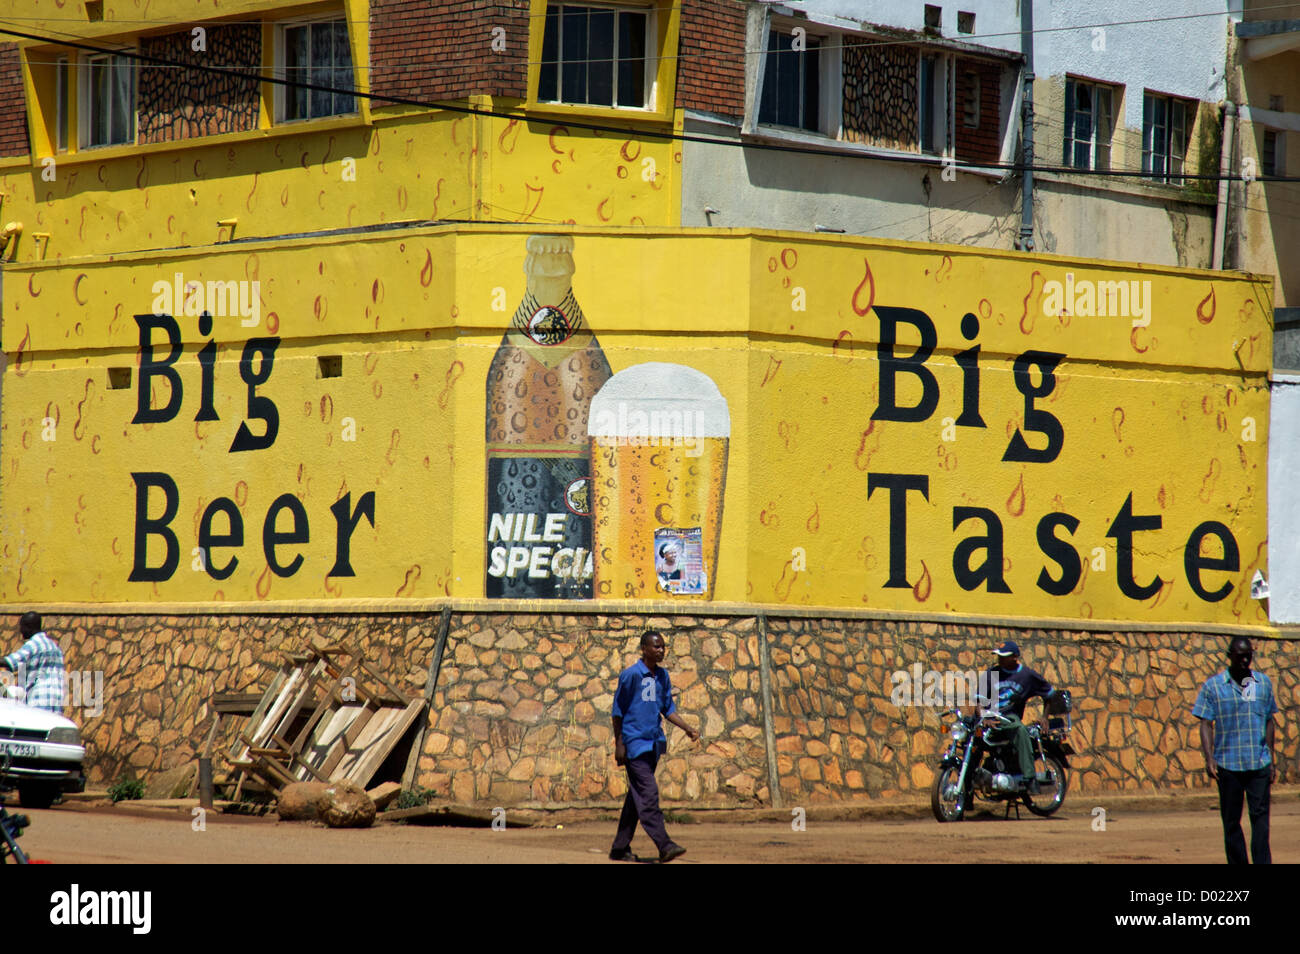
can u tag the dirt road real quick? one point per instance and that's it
(73, 834)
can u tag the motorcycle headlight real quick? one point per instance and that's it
(65, 736)
(959, 732)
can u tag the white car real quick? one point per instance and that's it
(40, 752)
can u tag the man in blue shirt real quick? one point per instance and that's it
(644, 693)
(39, 664)
(1236, 710)
(1016, 684)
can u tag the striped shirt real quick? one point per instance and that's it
(1241, 715)
(39, 665)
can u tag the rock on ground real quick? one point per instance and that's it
(347, 806)
(302, 801)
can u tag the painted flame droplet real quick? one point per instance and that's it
(1016, 502)
(1117, 422)
(814, 520)
(1204, 315)
(860, 462)
(869, 283)
(922, 589)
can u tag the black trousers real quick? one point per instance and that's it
(642, 803)
(1254, 786)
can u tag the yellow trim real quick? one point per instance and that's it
(357, 13)
(103, 153)
(41, 88)
(266, 89)
(418, 228)
(667, 25)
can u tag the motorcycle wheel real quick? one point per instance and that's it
(1047, 801)
(947, 809)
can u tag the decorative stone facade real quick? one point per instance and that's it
(183, 103)
(521, 709)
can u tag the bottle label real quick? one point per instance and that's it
(538, 329)
(539, 522)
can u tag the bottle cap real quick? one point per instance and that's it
(549, 256)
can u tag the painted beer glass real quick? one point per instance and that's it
(659, 437)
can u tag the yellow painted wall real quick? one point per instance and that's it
(786, 326)
(388, 163)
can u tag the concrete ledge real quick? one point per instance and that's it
(403, 607)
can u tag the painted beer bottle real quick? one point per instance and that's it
(539, 391)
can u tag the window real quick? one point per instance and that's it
(1273, 154)
(933, 16)
(107, 101)
(965, 22)
(791, 82)
(62, 83)
(1089, 124)
(595, 56)
(316, 53)
(1165, 124)
(970, 107)
(935, 103)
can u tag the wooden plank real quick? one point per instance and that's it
(430, 684)
(399, 697)
(268, 699)
(345, 742)
(328, 732)
(373, 730)
(380, 749)
(308, 687)
(236, 703)
(268, 722)
(328, 699)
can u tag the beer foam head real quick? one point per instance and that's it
(549, 256)
(656, 400)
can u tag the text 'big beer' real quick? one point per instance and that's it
(539, 390)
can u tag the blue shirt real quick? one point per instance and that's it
(1017, 687)
(1241, 714)
(640, 699)
(39, 664)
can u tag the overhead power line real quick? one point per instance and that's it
(864, 27)
(829, 150)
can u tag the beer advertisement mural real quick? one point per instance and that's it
(503, 413)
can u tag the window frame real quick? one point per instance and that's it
(970, 119)
(64, 90)
(281, 92)
(650, 66)
(1099, 154)
(942, 106)
(825, 72)
(1277, 168)
(85, 92)
(1187, 111)
(661, 48)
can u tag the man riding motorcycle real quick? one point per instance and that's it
(1016, 684)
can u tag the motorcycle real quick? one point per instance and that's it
(977, 764)
(11, 826)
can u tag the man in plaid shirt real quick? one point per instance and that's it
(1236, 710)
(39, 665)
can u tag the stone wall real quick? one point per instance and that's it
(521, 710)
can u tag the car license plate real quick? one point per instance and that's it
(19, 749)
